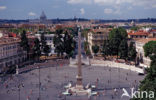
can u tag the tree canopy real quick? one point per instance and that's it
(44, 47)
(106, 48)
(132, 52)
(64, 42)
(150, 48)
(95, 49)
(24, 41)
(115, 38)
(69, 44)
(123, 49)
(36, 48)
(58, 42)
(86, 48)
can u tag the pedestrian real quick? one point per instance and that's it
(112, 97)
(98, 93)
(135, 81)
(97, 82)
(127, 74)
(103, 92)
(108, 81)
(28, 98)
(60, 95)
(31, 92)
(6, 85)
(95, 97)
(22, 84)
(7, 91)
(115, 91)
(25, 92)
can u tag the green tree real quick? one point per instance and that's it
(85, 33)
(58, 42)
(135, 28)
(24, 42)
(43, 42)
(149, 82)
(46, 50)
(150, 48)
(64, 41)
(123, 49)
(37, 49)
(115, 38)
(106, 49)
(132, 52)
(114, 46)
(95, 49)
(44, 47)
(69, 43)
(86, 48)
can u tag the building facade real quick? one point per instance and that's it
(153, 33)
(49, 40)
(10, 52)
(139, 48)
(97, 37)
(138, 34)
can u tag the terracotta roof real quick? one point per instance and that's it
(146, 40)
(154, 30)
(11, 34)
(8, 40)
(101, 30)
(138, 33)
(28, 32)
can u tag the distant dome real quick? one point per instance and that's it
(133, 23)
(43, 16)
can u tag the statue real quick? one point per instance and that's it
(17, 70)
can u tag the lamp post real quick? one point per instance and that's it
(19, 92)
(19, 85)
(119, 80)
(39, 83)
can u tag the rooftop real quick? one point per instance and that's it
(145, 40)
(103, 30)
(139, 33)
(8, 40)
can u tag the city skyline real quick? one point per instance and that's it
(92, 9)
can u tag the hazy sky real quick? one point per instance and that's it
(94, 9)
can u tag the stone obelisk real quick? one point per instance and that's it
(79, 74)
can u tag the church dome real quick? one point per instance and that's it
(43, 16)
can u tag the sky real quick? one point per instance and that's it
(92, 9)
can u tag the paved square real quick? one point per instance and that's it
(53, 79)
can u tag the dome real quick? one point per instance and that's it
(43, 16)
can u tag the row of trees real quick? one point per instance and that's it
(38, 48)
(117, 45)
(64, 42)
(86, 48)
(123, 50)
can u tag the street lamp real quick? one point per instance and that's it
(19, 92)
(119, 79)
(19, 85)
(39, 83)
